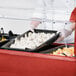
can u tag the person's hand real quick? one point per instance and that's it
(63, 34)
(31, 29)
(34, 24)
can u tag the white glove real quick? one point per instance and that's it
(34, 24)
(64, 33)
(31, 28)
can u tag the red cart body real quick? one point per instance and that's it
(15, 63)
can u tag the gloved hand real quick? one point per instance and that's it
(31, 28)
(34, 24)
(63, 34)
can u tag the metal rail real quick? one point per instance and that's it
(32, 19)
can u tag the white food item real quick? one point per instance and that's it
(32, 41)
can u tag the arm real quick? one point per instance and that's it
(66, 32)
(73, 26)
(38, 13)
(34, 24)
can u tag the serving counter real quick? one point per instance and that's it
(21, 63)
(17, 63)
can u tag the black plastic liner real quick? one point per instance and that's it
(42, 47)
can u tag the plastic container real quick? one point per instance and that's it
(61, 50)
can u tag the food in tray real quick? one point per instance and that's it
(2, 38)
(32, 41)
(65, 51)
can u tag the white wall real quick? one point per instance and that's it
(13, 14)
(12, 10)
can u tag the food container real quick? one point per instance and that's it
(58, 50)
(40, 47)
(6, 37)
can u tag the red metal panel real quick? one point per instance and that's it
(75, 42)
(73, 19)
(15, 63)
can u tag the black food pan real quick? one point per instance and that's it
(6, 37)
(41, 47)
(51, 50)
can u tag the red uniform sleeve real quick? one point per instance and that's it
(73, 16)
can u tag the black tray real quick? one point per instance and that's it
(51, 50)
(39, 48)
(8, 38)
